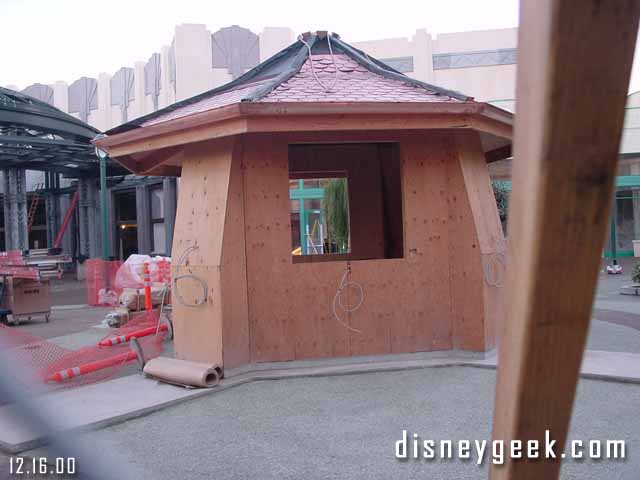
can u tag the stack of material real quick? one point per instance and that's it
(117, 318)
(133, 298)
(39, 264)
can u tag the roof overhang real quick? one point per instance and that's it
(134, 148)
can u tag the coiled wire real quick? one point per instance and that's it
(313, 71)
(205, 287)
(337, 299)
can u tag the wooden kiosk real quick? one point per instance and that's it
(425, 241)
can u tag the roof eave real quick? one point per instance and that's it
(265, 116)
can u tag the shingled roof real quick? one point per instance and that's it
(316, 68)
(319, 83)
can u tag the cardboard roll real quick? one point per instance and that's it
(182, 372)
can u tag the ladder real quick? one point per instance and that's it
(31, 217)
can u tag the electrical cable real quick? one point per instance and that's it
(337, 299)
(313, 70)
(494, 265)
(205, 287)
(164, 293)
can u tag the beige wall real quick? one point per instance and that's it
(190, 52)
(482, 66)
(485, 81)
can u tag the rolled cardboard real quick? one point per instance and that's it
(182, 372)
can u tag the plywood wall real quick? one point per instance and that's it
(408, 302)
(234, 204)
(200, 221)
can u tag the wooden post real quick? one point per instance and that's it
(574, 63)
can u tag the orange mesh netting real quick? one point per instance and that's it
(101, 284)
(32, 359)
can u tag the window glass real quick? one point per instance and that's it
(159, 245)
(157, 203)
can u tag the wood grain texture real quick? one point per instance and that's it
(407, 301)
(200, 222)
(488, 231)
(135, 140)
(198, 330)
(233, 271)
(567, 134)
(304, 118)
(465, 260)
(234, 204)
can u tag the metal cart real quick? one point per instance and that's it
(25, 287)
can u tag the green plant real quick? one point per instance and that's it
(635, 274)
(501, 193)
(336, 212)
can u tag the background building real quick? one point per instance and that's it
(480, 63)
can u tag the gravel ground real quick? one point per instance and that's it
(346, 427)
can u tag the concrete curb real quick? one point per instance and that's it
(69, 307)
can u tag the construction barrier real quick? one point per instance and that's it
(111, 341)
(101, 286)
(39, 365)
(146, 277)
(91, 367)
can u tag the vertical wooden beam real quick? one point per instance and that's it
(233, 269)
(573, 72)
(197, 250)
(488, 229)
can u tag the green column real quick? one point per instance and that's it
(613, 240)
(103, 208)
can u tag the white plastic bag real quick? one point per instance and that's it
(130, 273)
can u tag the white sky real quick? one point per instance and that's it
(49, 40)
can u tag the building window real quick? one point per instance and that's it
(158, 237)
(127, 224)
(346, 202)
(401, 64)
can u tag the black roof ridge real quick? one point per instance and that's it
(298, 61)
(300, 52)
(376, 66)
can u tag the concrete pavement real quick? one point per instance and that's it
(322, 427)
(345, 428)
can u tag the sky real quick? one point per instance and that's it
(50, 40)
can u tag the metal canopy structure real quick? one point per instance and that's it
(37, 136)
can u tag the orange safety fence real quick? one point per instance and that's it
(32, 360)
(101, 284)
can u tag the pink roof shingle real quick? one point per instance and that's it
(353, 83)
(220, 100)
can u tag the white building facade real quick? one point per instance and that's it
(481, 64)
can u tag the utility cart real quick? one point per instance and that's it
(25, 282)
